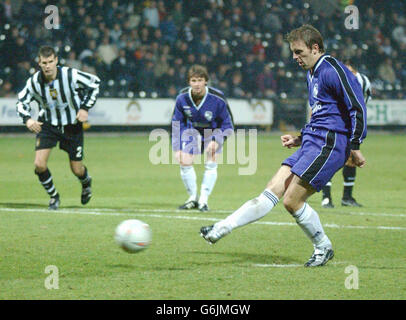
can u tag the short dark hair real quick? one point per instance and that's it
(197, 71)
(46, 51)
(308, 34)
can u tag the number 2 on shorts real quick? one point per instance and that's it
(79, 152)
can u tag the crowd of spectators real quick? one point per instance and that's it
(143, 48)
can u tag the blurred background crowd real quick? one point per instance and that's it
(143, 48)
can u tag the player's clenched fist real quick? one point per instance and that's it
(33, 125)
(357, 159)
(82, 115)
(290, 141)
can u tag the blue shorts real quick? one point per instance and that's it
(194, 141)
(321, 155)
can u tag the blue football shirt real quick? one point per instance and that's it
(337, 100)
(212, 113)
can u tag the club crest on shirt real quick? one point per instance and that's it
(53, 93)
(208, 115)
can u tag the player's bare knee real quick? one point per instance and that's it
(290, 204)
(185, 162)
(211, 152)
(280, 181)
(184, 159)
(276, 187)
(40, 166)
(78, 170)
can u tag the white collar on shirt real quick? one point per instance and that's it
(317, 65)
(201, 102)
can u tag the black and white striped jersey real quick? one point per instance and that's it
(60, 100)
(365, 85)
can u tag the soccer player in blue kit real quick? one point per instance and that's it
(201, 121)
(334, 133)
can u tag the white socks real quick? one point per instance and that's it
(250, 211)
(188, 176)
(255, 209)
(209, 180)
(309, 221)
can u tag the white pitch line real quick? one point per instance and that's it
(278, 265)
(140, 213)
(131, 210)
(401, 215)
(397, 215)
(274, 265)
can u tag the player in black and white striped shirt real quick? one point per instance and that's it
(64, 96)
(349, 170)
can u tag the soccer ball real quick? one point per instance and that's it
(133, 235)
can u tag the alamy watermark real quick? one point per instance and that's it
(52, 281)
(52, 21)
(352, 21)
(352, 281)
(189, 141)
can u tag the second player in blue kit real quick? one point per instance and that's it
(200, 123)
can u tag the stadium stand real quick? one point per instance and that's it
(145, 47)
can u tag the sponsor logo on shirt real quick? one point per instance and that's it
(187, 111)
(316, 107)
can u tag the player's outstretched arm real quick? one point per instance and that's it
(290, 141)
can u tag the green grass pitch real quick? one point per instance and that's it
(263, 260)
